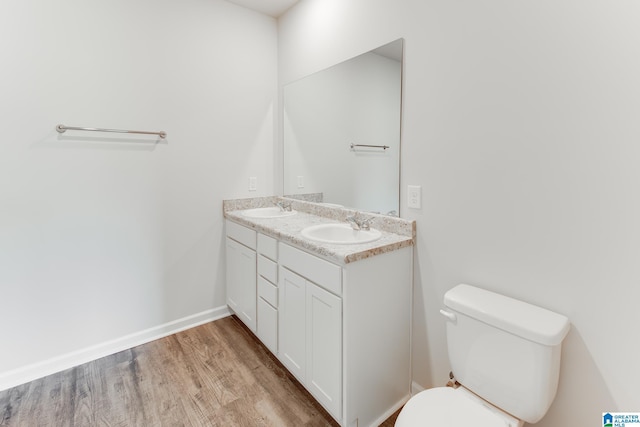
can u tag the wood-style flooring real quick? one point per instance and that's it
(217, 374)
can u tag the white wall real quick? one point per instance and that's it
(100, 238)
(521, 121)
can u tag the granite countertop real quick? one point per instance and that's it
(397, 233)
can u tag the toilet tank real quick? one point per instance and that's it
(505, 350)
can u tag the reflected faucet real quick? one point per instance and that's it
(358, 223)
(284, 206)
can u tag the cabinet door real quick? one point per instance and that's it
(291, 328)
(324, 348)
(241, 282)
(233, 268)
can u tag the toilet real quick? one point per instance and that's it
(505, 356)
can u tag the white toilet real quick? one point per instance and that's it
(505, 354)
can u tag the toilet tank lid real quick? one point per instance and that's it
(517, 317)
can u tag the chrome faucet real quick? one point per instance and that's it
(358, 223)
(284, 206)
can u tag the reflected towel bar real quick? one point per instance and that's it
(63, 128)
(384, 147)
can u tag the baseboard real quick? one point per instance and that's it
(416, 388)
(60, 363)
(391, 411)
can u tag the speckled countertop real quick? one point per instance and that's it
(396, 232)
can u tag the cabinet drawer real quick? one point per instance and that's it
(268, 291)
(268, 325)
(319, 271)
(267, 269)
(268, 246)
(241, 234)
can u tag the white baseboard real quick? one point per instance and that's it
(416, 388)
(391, 411)
(60, 363)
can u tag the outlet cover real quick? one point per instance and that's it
(414, 197)
(300, 181)
(253, 183)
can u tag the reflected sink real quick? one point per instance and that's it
(339, 234)
(271, 212)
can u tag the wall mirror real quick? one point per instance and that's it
(342, 132)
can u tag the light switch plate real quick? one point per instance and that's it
(414, 197)
(253, 183)
(300, 181)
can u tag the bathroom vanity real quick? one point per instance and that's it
(336, 315)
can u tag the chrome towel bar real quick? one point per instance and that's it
(63, 128)
(384, 147)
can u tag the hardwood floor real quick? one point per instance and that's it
(217, 374)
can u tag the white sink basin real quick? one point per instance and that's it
(271, 212)
(339, 234)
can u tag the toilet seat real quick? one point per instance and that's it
(449, 407)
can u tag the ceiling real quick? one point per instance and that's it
(273, 8)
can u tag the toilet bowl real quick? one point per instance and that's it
(504, 353)
(447, 406)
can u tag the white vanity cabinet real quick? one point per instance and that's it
(241, 272)
(342, 329)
